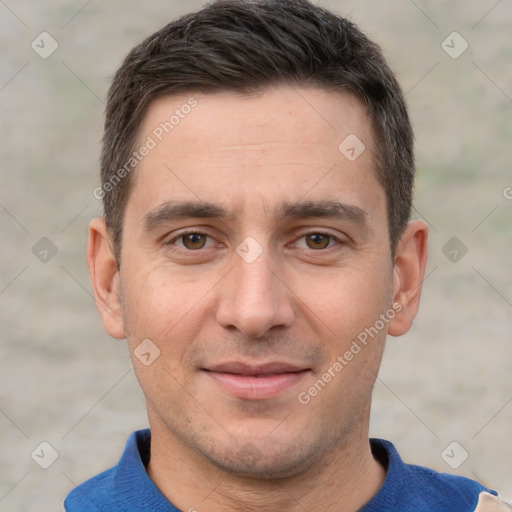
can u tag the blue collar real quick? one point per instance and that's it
(128, 488)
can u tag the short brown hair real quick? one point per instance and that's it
(245, 46)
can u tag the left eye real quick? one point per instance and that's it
(318, 240)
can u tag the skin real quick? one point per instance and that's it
(302, 301)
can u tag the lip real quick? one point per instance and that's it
(256, 381)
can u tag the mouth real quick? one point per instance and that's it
(256, 382)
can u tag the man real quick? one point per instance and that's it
(255, 251)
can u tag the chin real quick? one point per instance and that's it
(264, 460)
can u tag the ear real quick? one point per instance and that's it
(408, 274)
(105, 278)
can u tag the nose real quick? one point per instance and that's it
(255, 297)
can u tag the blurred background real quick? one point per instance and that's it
(444, 394)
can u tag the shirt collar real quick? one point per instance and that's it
(131, 474)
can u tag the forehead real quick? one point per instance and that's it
(273, 145)
(308, 112)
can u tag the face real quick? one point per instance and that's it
(255, 258)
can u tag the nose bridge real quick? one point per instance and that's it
(254, 300)
(255, 280)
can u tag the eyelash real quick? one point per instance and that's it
(183, 234)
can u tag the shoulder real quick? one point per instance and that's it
(411, 487)
(449, 492)
(120, 487)
(92, 494)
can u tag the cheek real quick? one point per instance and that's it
(160, 310)
(346, 301)
(160, 306)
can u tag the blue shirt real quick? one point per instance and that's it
(407, 488)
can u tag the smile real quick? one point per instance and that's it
(261, 382)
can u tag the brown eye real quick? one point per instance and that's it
(194, 240)
(317, 240)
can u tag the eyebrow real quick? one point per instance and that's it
(324, 209)
(172, 211)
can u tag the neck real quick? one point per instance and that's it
(345, 480)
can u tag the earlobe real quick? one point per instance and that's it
(408, 275)
(105, 278)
